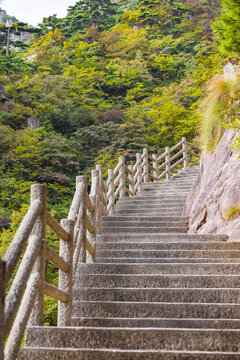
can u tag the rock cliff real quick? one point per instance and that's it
(4, 17)
(214, 201)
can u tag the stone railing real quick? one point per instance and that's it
(28, 251)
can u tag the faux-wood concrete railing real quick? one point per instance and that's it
(24, 303)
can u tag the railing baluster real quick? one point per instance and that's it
(145, 165)
(185, 152)
(139, 171)
(131, 177)
(39, 191)
(111, 198)
(100, 199)
(122, 180)
(66, 278)
(155, 165)
(168, 164)
(93, 215)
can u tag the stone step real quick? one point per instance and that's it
(135, 338)
(149, 219)
(161, 212)
(184, 181)
(157, 323)
(181, 177)
(170, 185)
(170, 253)
(145, 224)
(117, 354)
(185, 174)
(189, 268)
(147, 209)
(154, 201)
(168, 310)
(188, 171)
(160, 237)
(159, 295)
(124, 260)
(168, 191)
(149, 230)
(164, 195)
(156, 206)
(161, 197)
(157, 281)
(165, 191)
(169, 246)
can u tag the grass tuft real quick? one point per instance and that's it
(218, 109)
(231, 213)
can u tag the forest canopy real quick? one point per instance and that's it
(108, 79)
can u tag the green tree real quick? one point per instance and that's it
(86, 13)
(227, 27)
(50, 23)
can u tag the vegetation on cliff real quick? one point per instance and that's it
(106, 79)
(102, 80)
(221, 107)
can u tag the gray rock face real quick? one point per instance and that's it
(2, 293)
(33, 123)
(216, 191)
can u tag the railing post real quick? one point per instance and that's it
(93, 215)
(80, 231)
(145, 165)
(168, 165)
(39, 191)
(155, 165)
(185, 152)
(65, 281)
(122, 180)
(100, 199)
(139, 171)
(131, 178)
(111, 197)
(2, 296)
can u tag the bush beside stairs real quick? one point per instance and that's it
(155, 291)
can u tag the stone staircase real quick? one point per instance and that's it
(155, 292)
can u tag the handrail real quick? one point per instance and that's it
(54, 225)
(16, 247)
(77, 237)
(193, 146)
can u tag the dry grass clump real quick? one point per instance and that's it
(218, 109)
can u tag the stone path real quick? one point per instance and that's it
(155, 292)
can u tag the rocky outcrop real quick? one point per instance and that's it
(214, 201)
(4, 17)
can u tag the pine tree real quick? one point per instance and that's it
(227, 27)
(86, 13)
(164, 14)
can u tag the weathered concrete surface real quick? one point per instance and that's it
(216, 190)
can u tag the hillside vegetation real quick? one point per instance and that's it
(103, 80)
(108, 79)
